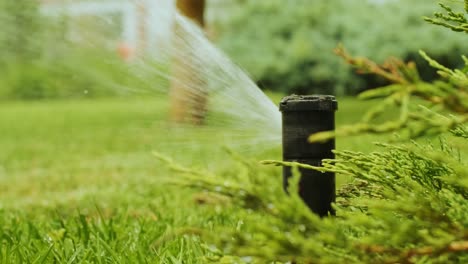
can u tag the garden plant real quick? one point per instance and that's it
(406, 202)
(109, 180)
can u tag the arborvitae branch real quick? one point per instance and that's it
(414, 122)
(452, 20)
(392, 69)
(408, 255)
(301, 165)
(406, 203)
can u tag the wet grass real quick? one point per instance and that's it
(78, 183)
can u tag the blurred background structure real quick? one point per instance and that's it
(77, 49)
(134, 25)
(187, 106)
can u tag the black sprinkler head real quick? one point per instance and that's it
(304, 115)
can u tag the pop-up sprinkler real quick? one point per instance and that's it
(304, 115)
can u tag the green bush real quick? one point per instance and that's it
(73, 76)
(37, 61)
(288, 45)
(20, 34)
(407, 201)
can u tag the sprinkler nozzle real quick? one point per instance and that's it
(304, 115)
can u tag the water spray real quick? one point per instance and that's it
(304, 115)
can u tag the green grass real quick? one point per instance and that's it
(79, 184)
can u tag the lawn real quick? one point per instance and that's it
(79, 183)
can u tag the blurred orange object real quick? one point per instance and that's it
(125, 51)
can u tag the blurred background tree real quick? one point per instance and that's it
(39, 61)
(288, 46)
(19, 16)
(187, 106)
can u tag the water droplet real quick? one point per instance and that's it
(247, 259)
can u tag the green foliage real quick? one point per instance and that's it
(74, 77)
(95, 236)
(38, 61)
(78, 186)
(455, 21)
(406, 202)
(403, 206)
(64, 160)
(415, 120)
(287, 45)
(21, 30)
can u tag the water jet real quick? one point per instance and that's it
(303, 115)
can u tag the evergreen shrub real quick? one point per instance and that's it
(407, 202)
(287, 45)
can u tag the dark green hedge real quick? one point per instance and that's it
(287, 45)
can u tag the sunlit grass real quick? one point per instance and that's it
(78, 181)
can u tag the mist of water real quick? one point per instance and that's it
(237, 111)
